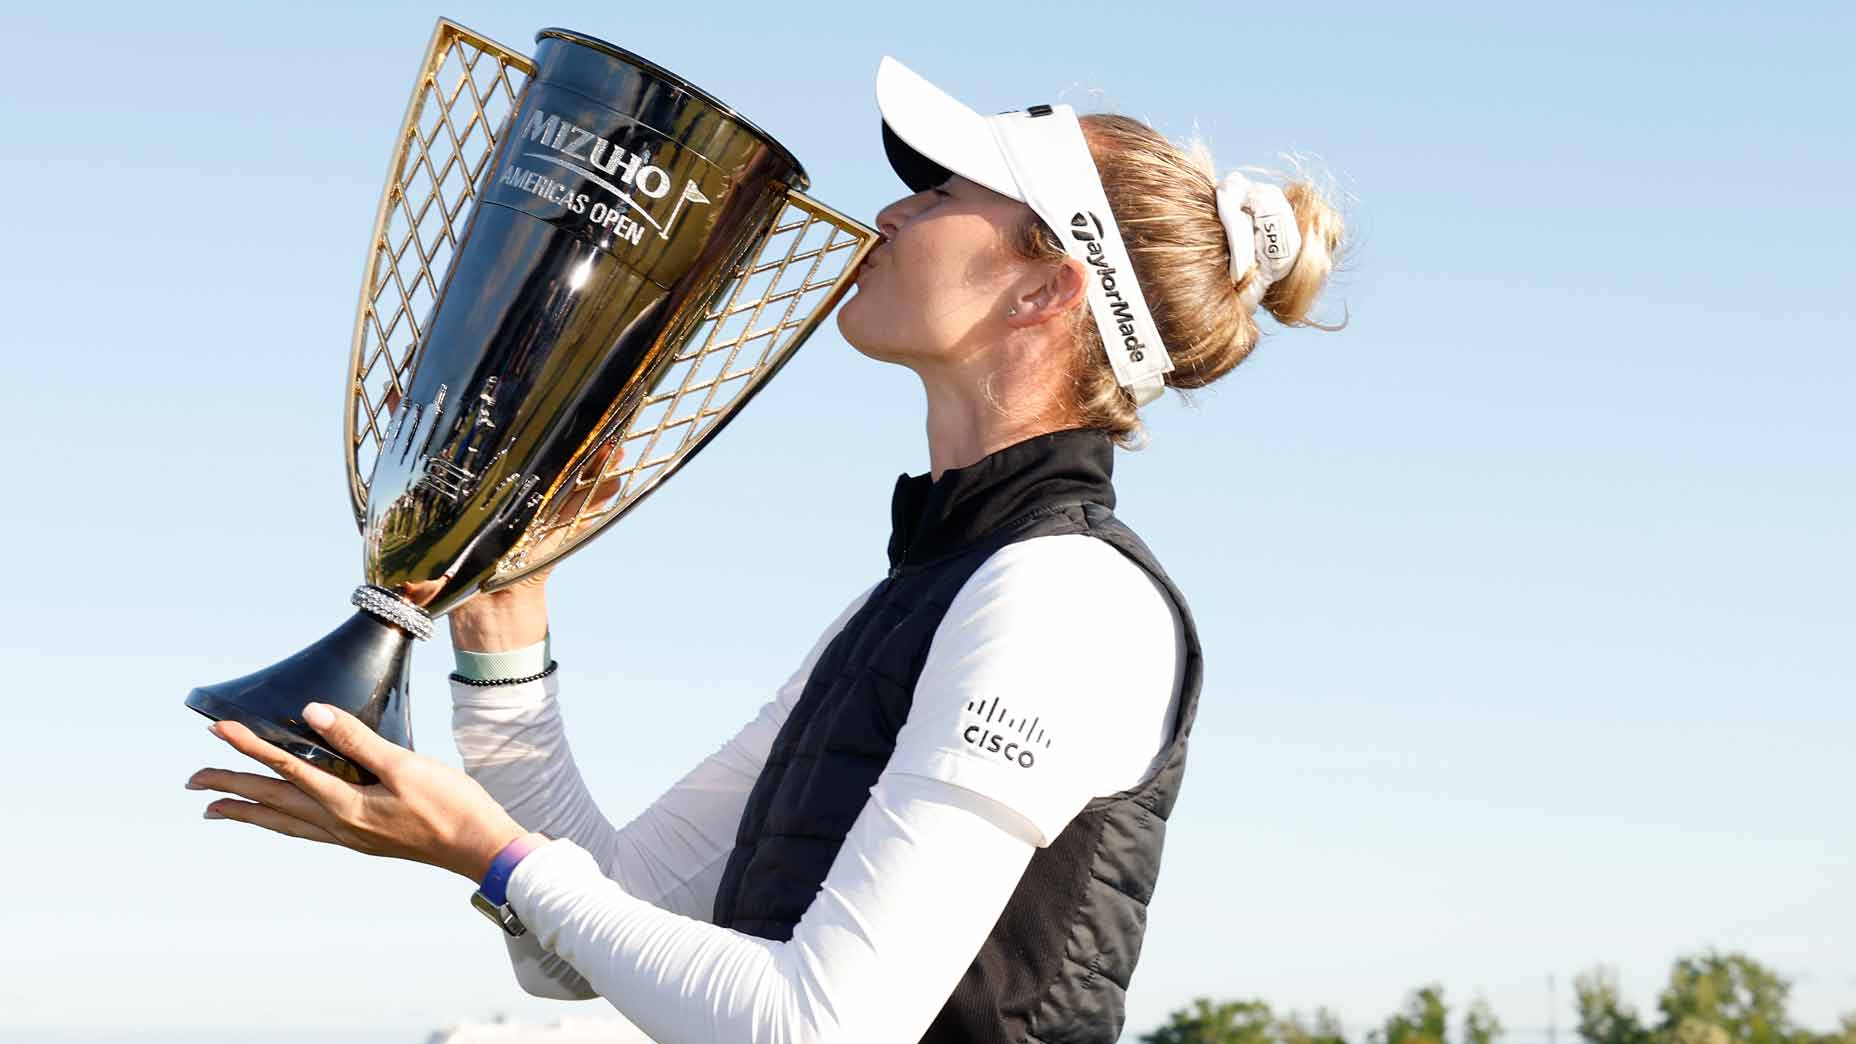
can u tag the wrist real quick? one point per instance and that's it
(494, 881)
(480, 855)
(499, 622)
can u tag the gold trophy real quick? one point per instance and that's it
(582, 267)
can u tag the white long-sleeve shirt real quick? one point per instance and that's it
(1062, 630)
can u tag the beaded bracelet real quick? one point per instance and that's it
(485, 683)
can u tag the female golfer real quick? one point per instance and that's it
(947, 824)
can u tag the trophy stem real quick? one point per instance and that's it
(363, 667)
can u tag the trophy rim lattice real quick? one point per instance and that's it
(384, 289)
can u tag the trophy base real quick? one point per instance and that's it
(269, 731)
(363, 667)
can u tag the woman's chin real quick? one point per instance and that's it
(851, 323)
(865, 328)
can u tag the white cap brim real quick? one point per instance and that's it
(937, 128)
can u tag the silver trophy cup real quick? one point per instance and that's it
(582, 267)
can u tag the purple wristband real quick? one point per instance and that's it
(495, 886)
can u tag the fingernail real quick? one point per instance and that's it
(210, 814)
(318, 715)
(191, 785)
(213, 728)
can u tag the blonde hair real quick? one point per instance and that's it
(1165, 201)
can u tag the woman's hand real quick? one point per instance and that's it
(422, 809)
(517, 616)
(512, 618)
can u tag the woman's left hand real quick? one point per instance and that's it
(421, 809)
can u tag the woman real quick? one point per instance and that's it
(947, 824)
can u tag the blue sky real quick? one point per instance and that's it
(1526, 596)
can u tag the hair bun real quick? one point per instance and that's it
(1203, 294)
(1261, 233)
(1292, 297)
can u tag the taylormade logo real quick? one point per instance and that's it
(1080, 226)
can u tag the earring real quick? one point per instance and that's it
(1013, 310)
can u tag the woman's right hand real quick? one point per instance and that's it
(517, 616)
(498, 621)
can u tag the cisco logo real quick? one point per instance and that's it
(1002, 733)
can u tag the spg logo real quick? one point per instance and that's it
(1270, 230)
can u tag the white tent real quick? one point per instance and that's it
(611, 1030)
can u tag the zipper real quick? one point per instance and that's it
(902, 560)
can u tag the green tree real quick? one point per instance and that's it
(1716, 998)
(1711, 998)
(1423, 1020)
(1233, 1022)
(1480, 1026)
(1323, 1028)
(1604, 1017)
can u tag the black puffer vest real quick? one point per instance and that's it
(1056, 965)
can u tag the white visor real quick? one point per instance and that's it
(1039, 157)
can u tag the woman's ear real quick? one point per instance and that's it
(1048, 293)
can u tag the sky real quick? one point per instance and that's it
(1526, 597)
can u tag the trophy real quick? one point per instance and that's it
(582, 267)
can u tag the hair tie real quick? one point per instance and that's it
(1259, 225)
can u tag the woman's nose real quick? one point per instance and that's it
(889, 219)
(892, 217)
